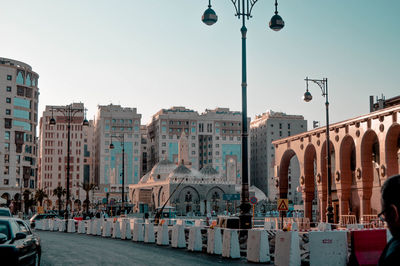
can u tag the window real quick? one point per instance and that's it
(8, 89)
(9, 77)
(5, 181)
(7, 123)
(8, 100)
(288, 126)
(6, 170)
(8, 111)
(193, 152)
(7, 135)
(280, 125)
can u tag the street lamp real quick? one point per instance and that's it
(323, 85)
(69, 112)
(243, 10)
(121, 139)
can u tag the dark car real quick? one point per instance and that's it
(41, 216)
(18, 245)
(5, 212)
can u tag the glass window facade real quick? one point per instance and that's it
(25, 125)
(22, 102)
(22, 114)
(20, 78)
(28, 80)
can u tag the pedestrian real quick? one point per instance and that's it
(390, 201)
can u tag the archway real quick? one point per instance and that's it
(308, 183)
(189, 199)
(349, 202)
(214, 200)
(392, 147)
(283, 173)
(370, 161)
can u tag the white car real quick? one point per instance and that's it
(5, 212)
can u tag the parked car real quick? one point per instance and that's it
(18, 244)
(5, 212)
(41, 216)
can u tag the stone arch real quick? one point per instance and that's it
(283, 173)
(370, 161)
(323, 180)
(189, 199)
(308, 181)
(214, 198)
(346, 187)
(392, 147)
(159, 199)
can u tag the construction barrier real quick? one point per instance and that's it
(258, 246)
(214, 241)
(107, 229)
(324, 227)
(195, 242)
(45, 224)
(137, 232)
(61, 226)
(93, 227)
(71, 226)
(328, 248)
(116, 232)
(367, 246)
(354, 226)
(99, 225)
(162, 235)
(149, 233)
(178, 236)
(287, 250)
(81, 227)
(230, 244)
(89, 227)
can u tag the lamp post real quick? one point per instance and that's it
(68, 112)
(323, 85)
(243, 10)
(121, 139)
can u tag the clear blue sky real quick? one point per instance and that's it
(156, 54)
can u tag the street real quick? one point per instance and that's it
(77, 249)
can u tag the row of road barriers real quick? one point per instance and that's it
(325, 247)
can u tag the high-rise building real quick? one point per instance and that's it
(19, 95)
(214, 138)
(121, 127)
(263, 130)
(53, 145)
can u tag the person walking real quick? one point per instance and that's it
(390, 201)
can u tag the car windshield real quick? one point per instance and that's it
(5, 213)
(5, 228)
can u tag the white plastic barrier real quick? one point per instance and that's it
(61, 225)
(45, 224)
(354, 226)
(162, 235)
(81, 227)
(106, 229)
(178, 236)
(126, 232)
(137, 232)
(269, 225)
(71, 226)
(89, 227)
(324, 227)
(55, 224)
(199, 223)
(51, 225)
(39, 224)
(287, 250)
(258, 246)
(328, 248)
(93, 229)
(195, 242)
(116, 232)
(214, 241)
(99, 225)
(149, 233)
(230, 244)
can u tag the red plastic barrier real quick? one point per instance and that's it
(367, 245)
(78, 218)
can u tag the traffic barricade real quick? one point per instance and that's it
(116, 232)
(45, 224)
(137, 231)
(230, 244)
(162, 235)
(89, 227)
(195, 241)
(214, 241)
(258, 246)
(61, 225)
(107, 229)
(287, 250)
(328, 248)
(367, 246)
(149, 233)
(81, 227)
(178, 236)
(71, 226)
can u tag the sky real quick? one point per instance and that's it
(156, 54)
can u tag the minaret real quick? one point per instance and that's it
(183, 152)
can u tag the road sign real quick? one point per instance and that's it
(231, 197)
(283, 205)
(253, 200)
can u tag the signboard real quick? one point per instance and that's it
(40, 209)
(283, 205)
(231, 197)
(253, 200)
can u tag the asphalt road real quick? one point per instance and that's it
(77, 249)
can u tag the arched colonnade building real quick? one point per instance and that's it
(364, 153)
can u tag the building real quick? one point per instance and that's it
(121, 127)
(181, 186)
(382, 103)
(19, 95)
(264, 129)
(214, 138)
(53, 146)
(365, 151)
(144, 148)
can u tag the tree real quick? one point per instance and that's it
(87, 187)
(40, 195)
(59, 192)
